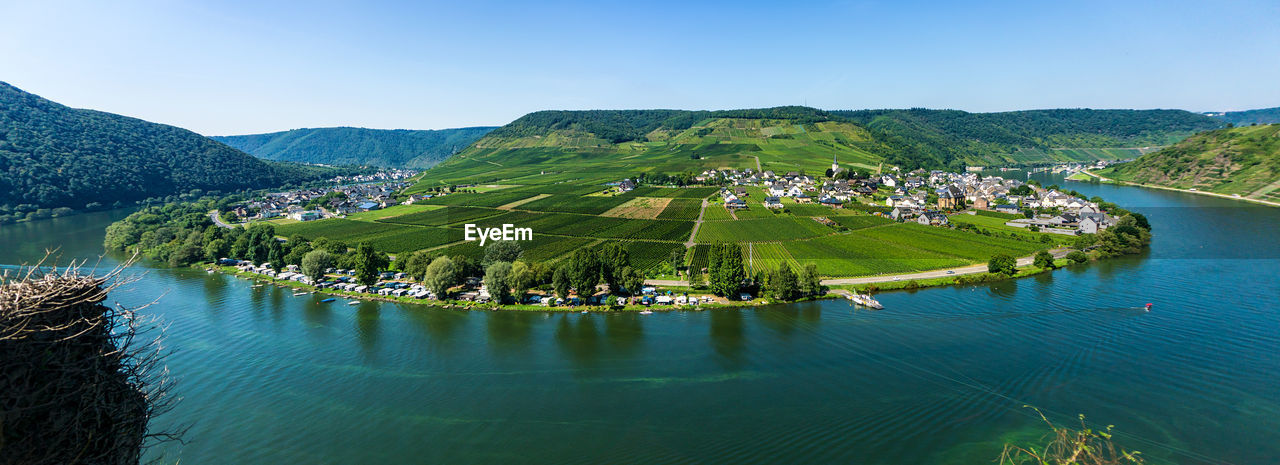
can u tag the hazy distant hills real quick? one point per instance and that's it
(1247, 117)
(52, 156)
(1243, 160)
(395, 148)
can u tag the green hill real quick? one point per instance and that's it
(1248, 117)
(394, 148)
(951, 138)
(608, 144)
(616, 143)
(52, 156)
(1241, 160)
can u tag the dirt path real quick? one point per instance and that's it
(971, 269)
(758, 169)
(696, 224)
(1213, 194)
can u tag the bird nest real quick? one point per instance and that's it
(79, 380)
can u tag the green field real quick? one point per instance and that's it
(761, 230)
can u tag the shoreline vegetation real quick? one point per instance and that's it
(1103, 179)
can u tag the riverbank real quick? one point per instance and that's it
(1175, 189)
(837, 289)
(465, 305)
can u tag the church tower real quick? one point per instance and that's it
(835, 167)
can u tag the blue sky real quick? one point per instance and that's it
(234, 67)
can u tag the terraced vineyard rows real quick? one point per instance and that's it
(758, 230)
(682, 209)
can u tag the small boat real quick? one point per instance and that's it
(646, 312)
(865, 300)
(255, 286)
(331, 299)
(210, 271)
(584, 312)
(354, 302)
(1148, 306)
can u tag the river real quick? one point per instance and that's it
(940, 376)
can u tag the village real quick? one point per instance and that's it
(346, 195)
(925, 197)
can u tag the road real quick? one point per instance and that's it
(971, 269)
(213, 215)
(696, 224)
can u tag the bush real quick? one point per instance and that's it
(1078, 257)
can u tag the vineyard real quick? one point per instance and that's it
(856, 255)
(588, 204)
(442, 216)
(682, 209)
(951, 242)
(766, 257)
(757, 230)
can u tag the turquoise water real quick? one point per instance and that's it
(940, 376)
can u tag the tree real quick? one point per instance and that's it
(613, 258)
(1140, 221)
(1002, 264)
(1078, 256)
(497, 278)
(522, 279)
(215, 249)
(415, 265)
(810, 280)
(584, 271)
(726, 271)
(275, 255)
(1044, 260)
(299, 250)
(367, 264)
(315, 263)
(440, 275)
(561, 282)
(631, 279)
(783, 283)
(502, 251)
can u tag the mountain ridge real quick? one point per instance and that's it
(54, 156)
(346, 145)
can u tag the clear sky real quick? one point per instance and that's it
(234, 67)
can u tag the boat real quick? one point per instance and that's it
(257, 286)
(331, 299)
(865, 300)
(1148, 306)
(295, 294)
(584, 312)
(646, 312)
(354, 302)
(210, 271)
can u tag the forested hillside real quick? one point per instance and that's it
(931, 138)
(52, 156)
(790, 138)
(1248, 117)
(392, 148)
(1241, 160)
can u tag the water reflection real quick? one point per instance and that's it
(511, 333)
(367, 321)
(440, 326)
(624, 333)
(728, 337)
(578, 338)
